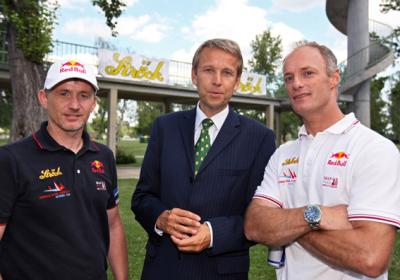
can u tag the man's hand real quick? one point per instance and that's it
(335, 218)
(179, 223)
(195, 243)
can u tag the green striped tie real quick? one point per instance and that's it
(203, 145)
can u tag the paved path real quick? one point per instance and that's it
(128, 172)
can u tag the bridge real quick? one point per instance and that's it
(179, 89)
(362, 64)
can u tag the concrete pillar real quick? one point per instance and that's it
(112, 120)
(269, 113)
(167, 108)
(358, 55)
(278, 132)
(362, 104)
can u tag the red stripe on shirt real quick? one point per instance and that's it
(95, 146)
(377, 218)
(37, 141)
(273, 200)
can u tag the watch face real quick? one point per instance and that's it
(312, 214)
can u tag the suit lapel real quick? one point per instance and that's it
(229, 130)
(187, 132)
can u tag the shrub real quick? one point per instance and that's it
(124, 157)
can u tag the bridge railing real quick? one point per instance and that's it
(179, 72)
(3, 47)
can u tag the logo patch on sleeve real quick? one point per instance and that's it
(116, 195)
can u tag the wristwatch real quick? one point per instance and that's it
(312, 215)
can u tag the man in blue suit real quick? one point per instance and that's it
(199, 173)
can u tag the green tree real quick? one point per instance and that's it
(146, 112)
(379, 118)
(393, 5)
(29, 25)
(266, 52)
(394, 109)
(252, 113)
(99, 120)
(5, 108)
(126, 115)
(290, 123)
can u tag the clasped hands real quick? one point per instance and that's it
(185, 229)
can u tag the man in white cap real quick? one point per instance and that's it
(59, 215)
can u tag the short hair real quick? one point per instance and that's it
(326, 53)
(226, 45)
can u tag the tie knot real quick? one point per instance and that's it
(206, 123)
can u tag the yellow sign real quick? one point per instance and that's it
(132, 67)
(251, 83)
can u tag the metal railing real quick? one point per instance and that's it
(3, 47)
(179, 72)
(380, 34)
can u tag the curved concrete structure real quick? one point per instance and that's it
(366, 56)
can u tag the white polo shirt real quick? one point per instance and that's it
(347, 163)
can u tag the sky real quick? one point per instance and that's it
(173, 29)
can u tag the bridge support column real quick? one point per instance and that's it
(277, 130)
(167, 107)
(358, 40)
(112, 120)
(270, 116)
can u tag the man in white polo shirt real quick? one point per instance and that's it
(331, 198)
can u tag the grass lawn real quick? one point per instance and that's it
(132, 147)
(136, 238)
(3, 142)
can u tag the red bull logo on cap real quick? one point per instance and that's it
(338, 159)
(73, 66)
(97, 166)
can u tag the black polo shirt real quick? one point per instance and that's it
(54, 203)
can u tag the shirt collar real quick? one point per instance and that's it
(44, 140)
(341, 127)
(218, 119)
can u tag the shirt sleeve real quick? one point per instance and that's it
(114, 191)
(8, 186)
(375, 185)
(269, 187)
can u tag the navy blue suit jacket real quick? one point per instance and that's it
(220, 193)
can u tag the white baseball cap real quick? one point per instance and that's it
(70, 69)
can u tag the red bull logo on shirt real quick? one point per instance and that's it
(339, 159)
(97, 166)
(72, 66)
